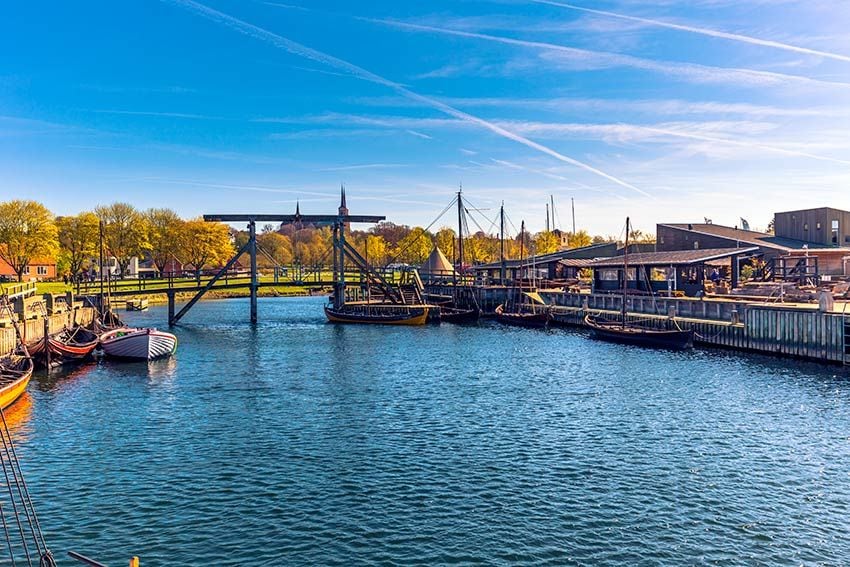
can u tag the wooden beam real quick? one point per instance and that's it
(305, 219)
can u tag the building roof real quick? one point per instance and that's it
(673, 257)
(604, 249)
(811, 209)
(437, 264)
(578, 262)
(751, 237)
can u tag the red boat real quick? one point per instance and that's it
(66, 346)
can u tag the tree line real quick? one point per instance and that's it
(29, 231)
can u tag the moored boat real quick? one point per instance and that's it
(15, 374)
(138, 344)
(630, 333)
(538, 318)
(378, 313)
(67, 346)
(625, 331)
(459, 316)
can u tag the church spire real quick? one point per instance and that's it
(297, 209)
(342, 196)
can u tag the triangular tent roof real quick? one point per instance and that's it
(437, 264)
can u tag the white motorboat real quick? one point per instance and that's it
(138, 344)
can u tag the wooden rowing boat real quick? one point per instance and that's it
(15, 374)
(538, 318)
(66, 346)
(459, 316)
(378, 314)
(630, 333)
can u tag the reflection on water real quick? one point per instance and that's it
(300, 442)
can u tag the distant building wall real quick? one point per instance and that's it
(814, 225)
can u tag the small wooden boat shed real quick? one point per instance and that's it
(677, 270)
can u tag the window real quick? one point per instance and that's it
(661, 240)
(660, 274)
(26, 270)
(847, 238)
(817, 225)
(806, 226)
(41, 270)
(609, 275)
(835, 228)
(632, 274)
(696, 244)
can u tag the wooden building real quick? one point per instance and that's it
(545, 266)
(825, 226)
(676, 271)
(700, 236)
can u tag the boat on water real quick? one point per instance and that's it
(66, 346)
(459, 316)
(138, 344)
(534, 317)
(378, 313)
(15, 374)
(630, 332)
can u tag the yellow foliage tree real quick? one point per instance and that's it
(580, 239)
(415, 247)
(204, 244)
(27, 231)
(545, 242)
(163, 234)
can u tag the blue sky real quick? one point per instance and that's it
(659, 109)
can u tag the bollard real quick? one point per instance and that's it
(134, 562)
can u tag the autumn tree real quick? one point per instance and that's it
(580, 239)
(163, 233)
(276, 249)
(445, 240)
(546, 242)
(27, 231)
(78, 240)
(415, 247)
(124, 233)
(204, 243)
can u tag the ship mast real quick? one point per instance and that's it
(460, 232)
(625, 272)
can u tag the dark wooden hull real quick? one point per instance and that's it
(521, 319)
(459, 316)
(379, 315)
(614, 331)
(66, 347)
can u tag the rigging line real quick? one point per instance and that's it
(12, 499)
(26, 501)
(424, 232)
(8, 538)
(479, 211)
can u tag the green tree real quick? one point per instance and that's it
(163, 233)
(124, 233)
(27, 231)
(78, 240)
(204, 244)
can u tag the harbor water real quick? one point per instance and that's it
(298, 442)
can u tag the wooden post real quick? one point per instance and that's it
(171, 299)
(46, 342)
(252, 249)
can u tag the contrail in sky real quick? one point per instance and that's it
(703, 31)
(359, 72)
(701, 73)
